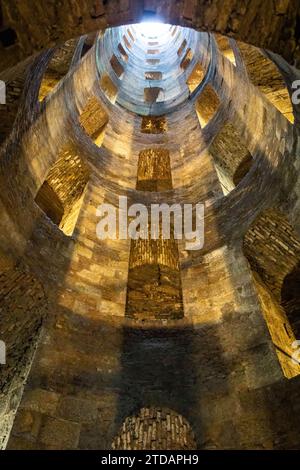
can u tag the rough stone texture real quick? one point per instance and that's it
(93, 118)
(273, 250)
(155, 429)
(154, 125)
(217, 365)
(196, 77)
(225, 46)
(207, 105)
(61, 194)
(154, 286)
(186, 59)
(231, 157)
(265, 24)
(264, 74)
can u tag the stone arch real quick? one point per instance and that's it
(196, 77)
(243, 168)
(58, 67)
(14, 80)
(207, 105)
(225, 47)
(60, 196)
(108, 87)
(231, 155)
(154, 290)
(88, 44)
(273, 251)
(290, 298)
(154, 428)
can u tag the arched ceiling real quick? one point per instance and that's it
(41, 24)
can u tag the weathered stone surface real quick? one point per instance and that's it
(265, 24)
(155, 429)
(203, 351)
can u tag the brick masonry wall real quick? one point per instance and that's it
(217, 367)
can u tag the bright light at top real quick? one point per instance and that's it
(152, 30)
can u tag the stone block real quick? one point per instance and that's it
(41, 401)
(59, 433)
(77, 409)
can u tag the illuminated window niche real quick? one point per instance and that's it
(154, 289)
(290, 298)
(109, 88)
(225, 48)
(117, 66)
(153, 61)
(123, 52)
(175, 28)
(196, 77)
(153, 75)
(188, 56)
(88, 44)
(153, 94)
(273, 251)
(181, 48)
(57, 68)
(154, 125)
(231, 156)
(94, 119)
(126, 42)
(129, 32)
(60, 196)
(207, 104)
